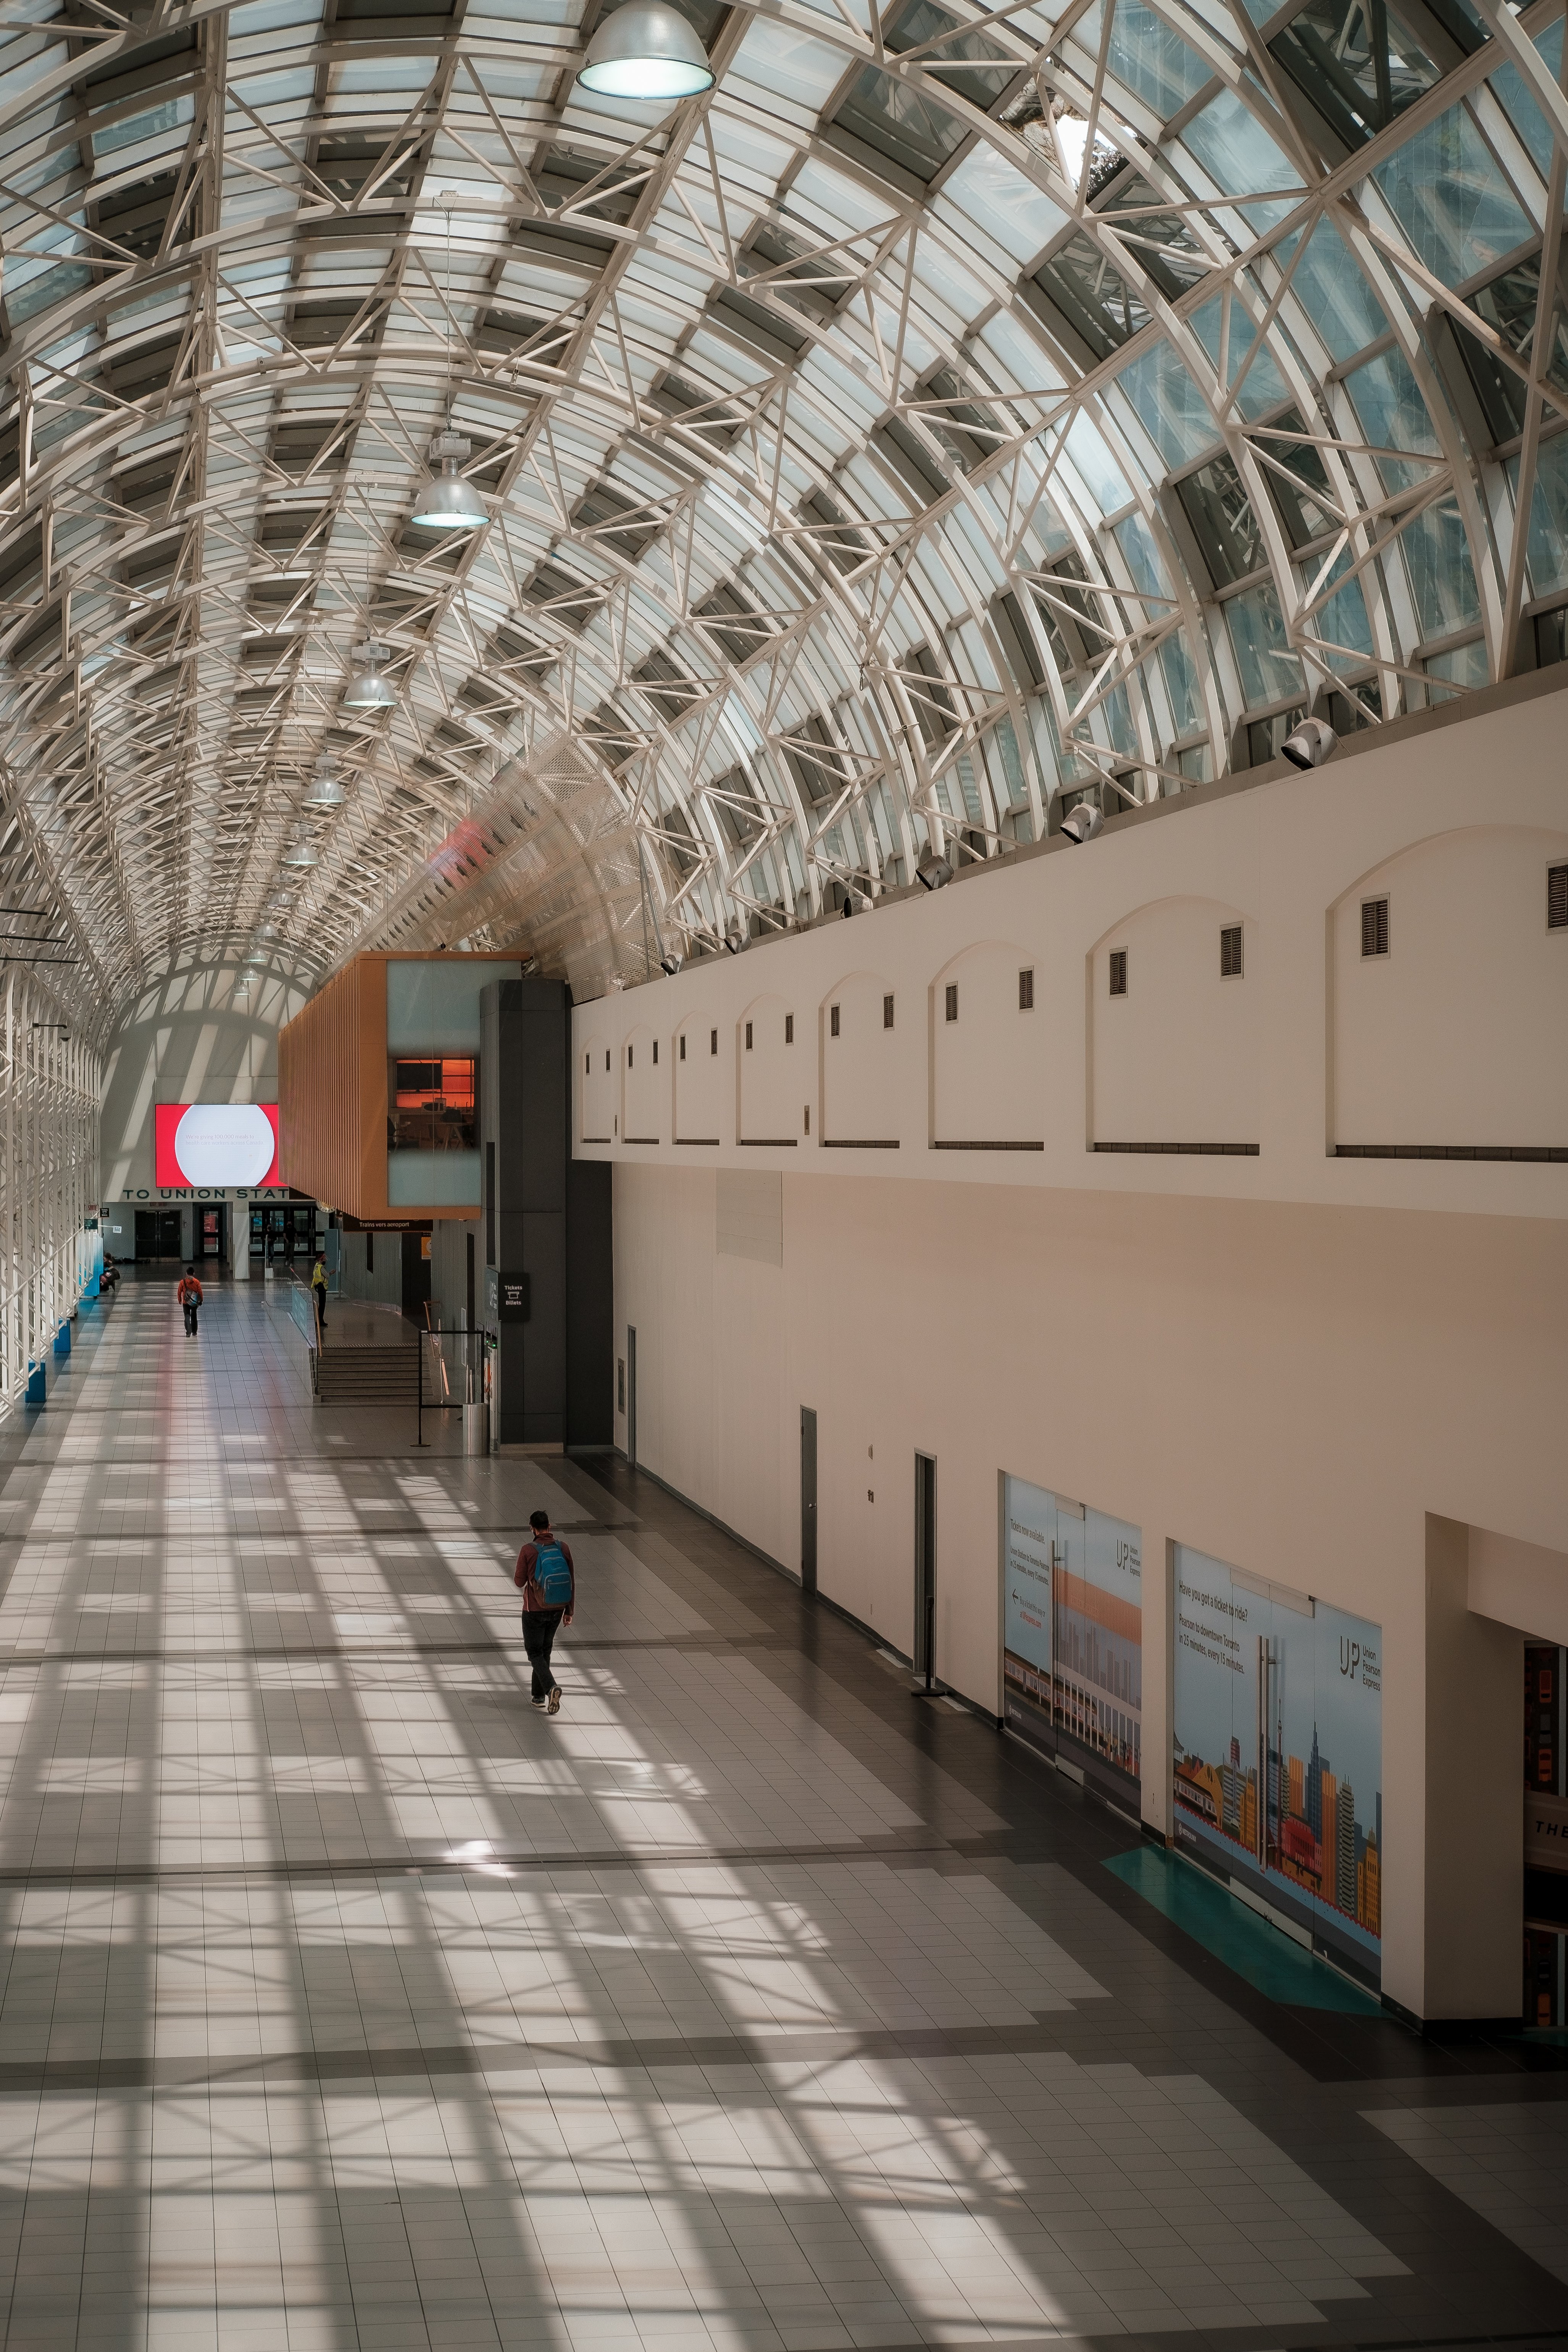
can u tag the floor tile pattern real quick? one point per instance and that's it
(347, 2002)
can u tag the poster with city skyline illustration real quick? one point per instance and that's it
(1278, 1750)
(1072, 1644)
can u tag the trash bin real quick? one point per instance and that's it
(477, 1427)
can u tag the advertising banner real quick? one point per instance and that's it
(1278, 1750)
(1072, 1618)
(212, 1146)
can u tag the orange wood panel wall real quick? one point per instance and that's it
(331, 1091)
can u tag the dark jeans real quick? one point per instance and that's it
(191, 1316)
(538, 1632)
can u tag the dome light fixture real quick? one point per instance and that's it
(326, 792)
(447, 502)
(367, 688)
(301, 853)
(645, 49)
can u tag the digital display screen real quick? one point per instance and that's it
(206, 1147)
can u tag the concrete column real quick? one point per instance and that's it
(1473, 1831)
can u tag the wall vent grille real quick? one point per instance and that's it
(1119, 971)
(1230, 951)
(1375, 926)
(1557, 898)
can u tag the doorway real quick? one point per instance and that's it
(924, 1648)
(631, 1396)
(284, 1230)
(209, 1231)
(157, 1232)
(416, 1274)
(807, 1500)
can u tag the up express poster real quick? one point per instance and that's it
(1278, 1750)
(1072, 1642)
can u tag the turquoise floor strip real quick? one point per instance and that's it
(1269, 1961)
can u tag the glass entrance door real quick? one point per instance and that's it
(283, 1232)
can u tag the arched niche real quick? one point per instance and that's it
(858, 1035)
(596, 1090)
(645, 1088)
(775, 1084)
(1448, 1013)
(987, 1079)
(1173, 1030)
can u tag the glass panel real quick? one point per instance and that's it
(1223, 522)
(1509, 304)
(1093, 296)
(1331, 290)
(1344, 622)
(1172, 411)
(1448, 194)
(1181, 676)
(900, 123)
(1357, 62)
(1240, 157)
(1548, 549)
(1264, 386)
(1394, 416)
(1164, 244)
(1303, 518)
(1442, 577)
(1269, 670)
(1146, 55)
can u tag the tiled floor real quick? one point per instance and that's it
(346, 2001)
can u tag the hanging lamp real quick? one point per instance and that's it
(367, 688)
(447, 502)
(326, 792)
(645, 49)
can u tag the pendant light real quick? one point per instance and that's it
(367, 688)
(447, 502)
(645, 49)
(326, 792)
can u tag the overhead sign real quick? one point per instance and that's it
(208, 1145)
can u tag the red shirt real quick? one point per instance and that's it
(523, 1574)
(189, 1288)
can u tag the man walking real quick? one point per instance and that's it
(549, 1583)
(318, 1289)
(189, 1294)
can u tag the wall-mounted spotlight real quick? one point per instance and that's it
(670, 964)
(735, 939)
(1309, 745)
(367, 688)
(447, 502)
(645, 50)
(1081, 824)
(934, 870)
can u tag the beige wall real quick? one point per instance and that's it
(1301, 1364)
(1455, 1040)
(1291, 1389)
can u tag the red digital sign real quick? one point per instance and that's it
(215, 1147)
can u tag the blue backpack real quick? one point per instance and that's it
(552, 1576)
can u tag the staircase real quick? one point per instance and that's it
(367, 1375)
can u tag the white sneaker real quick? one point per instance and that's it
(539, 1702)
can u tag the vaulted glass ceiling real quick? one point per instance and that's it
(955, 411)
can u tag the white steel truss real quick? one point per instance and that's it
(957, 410)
